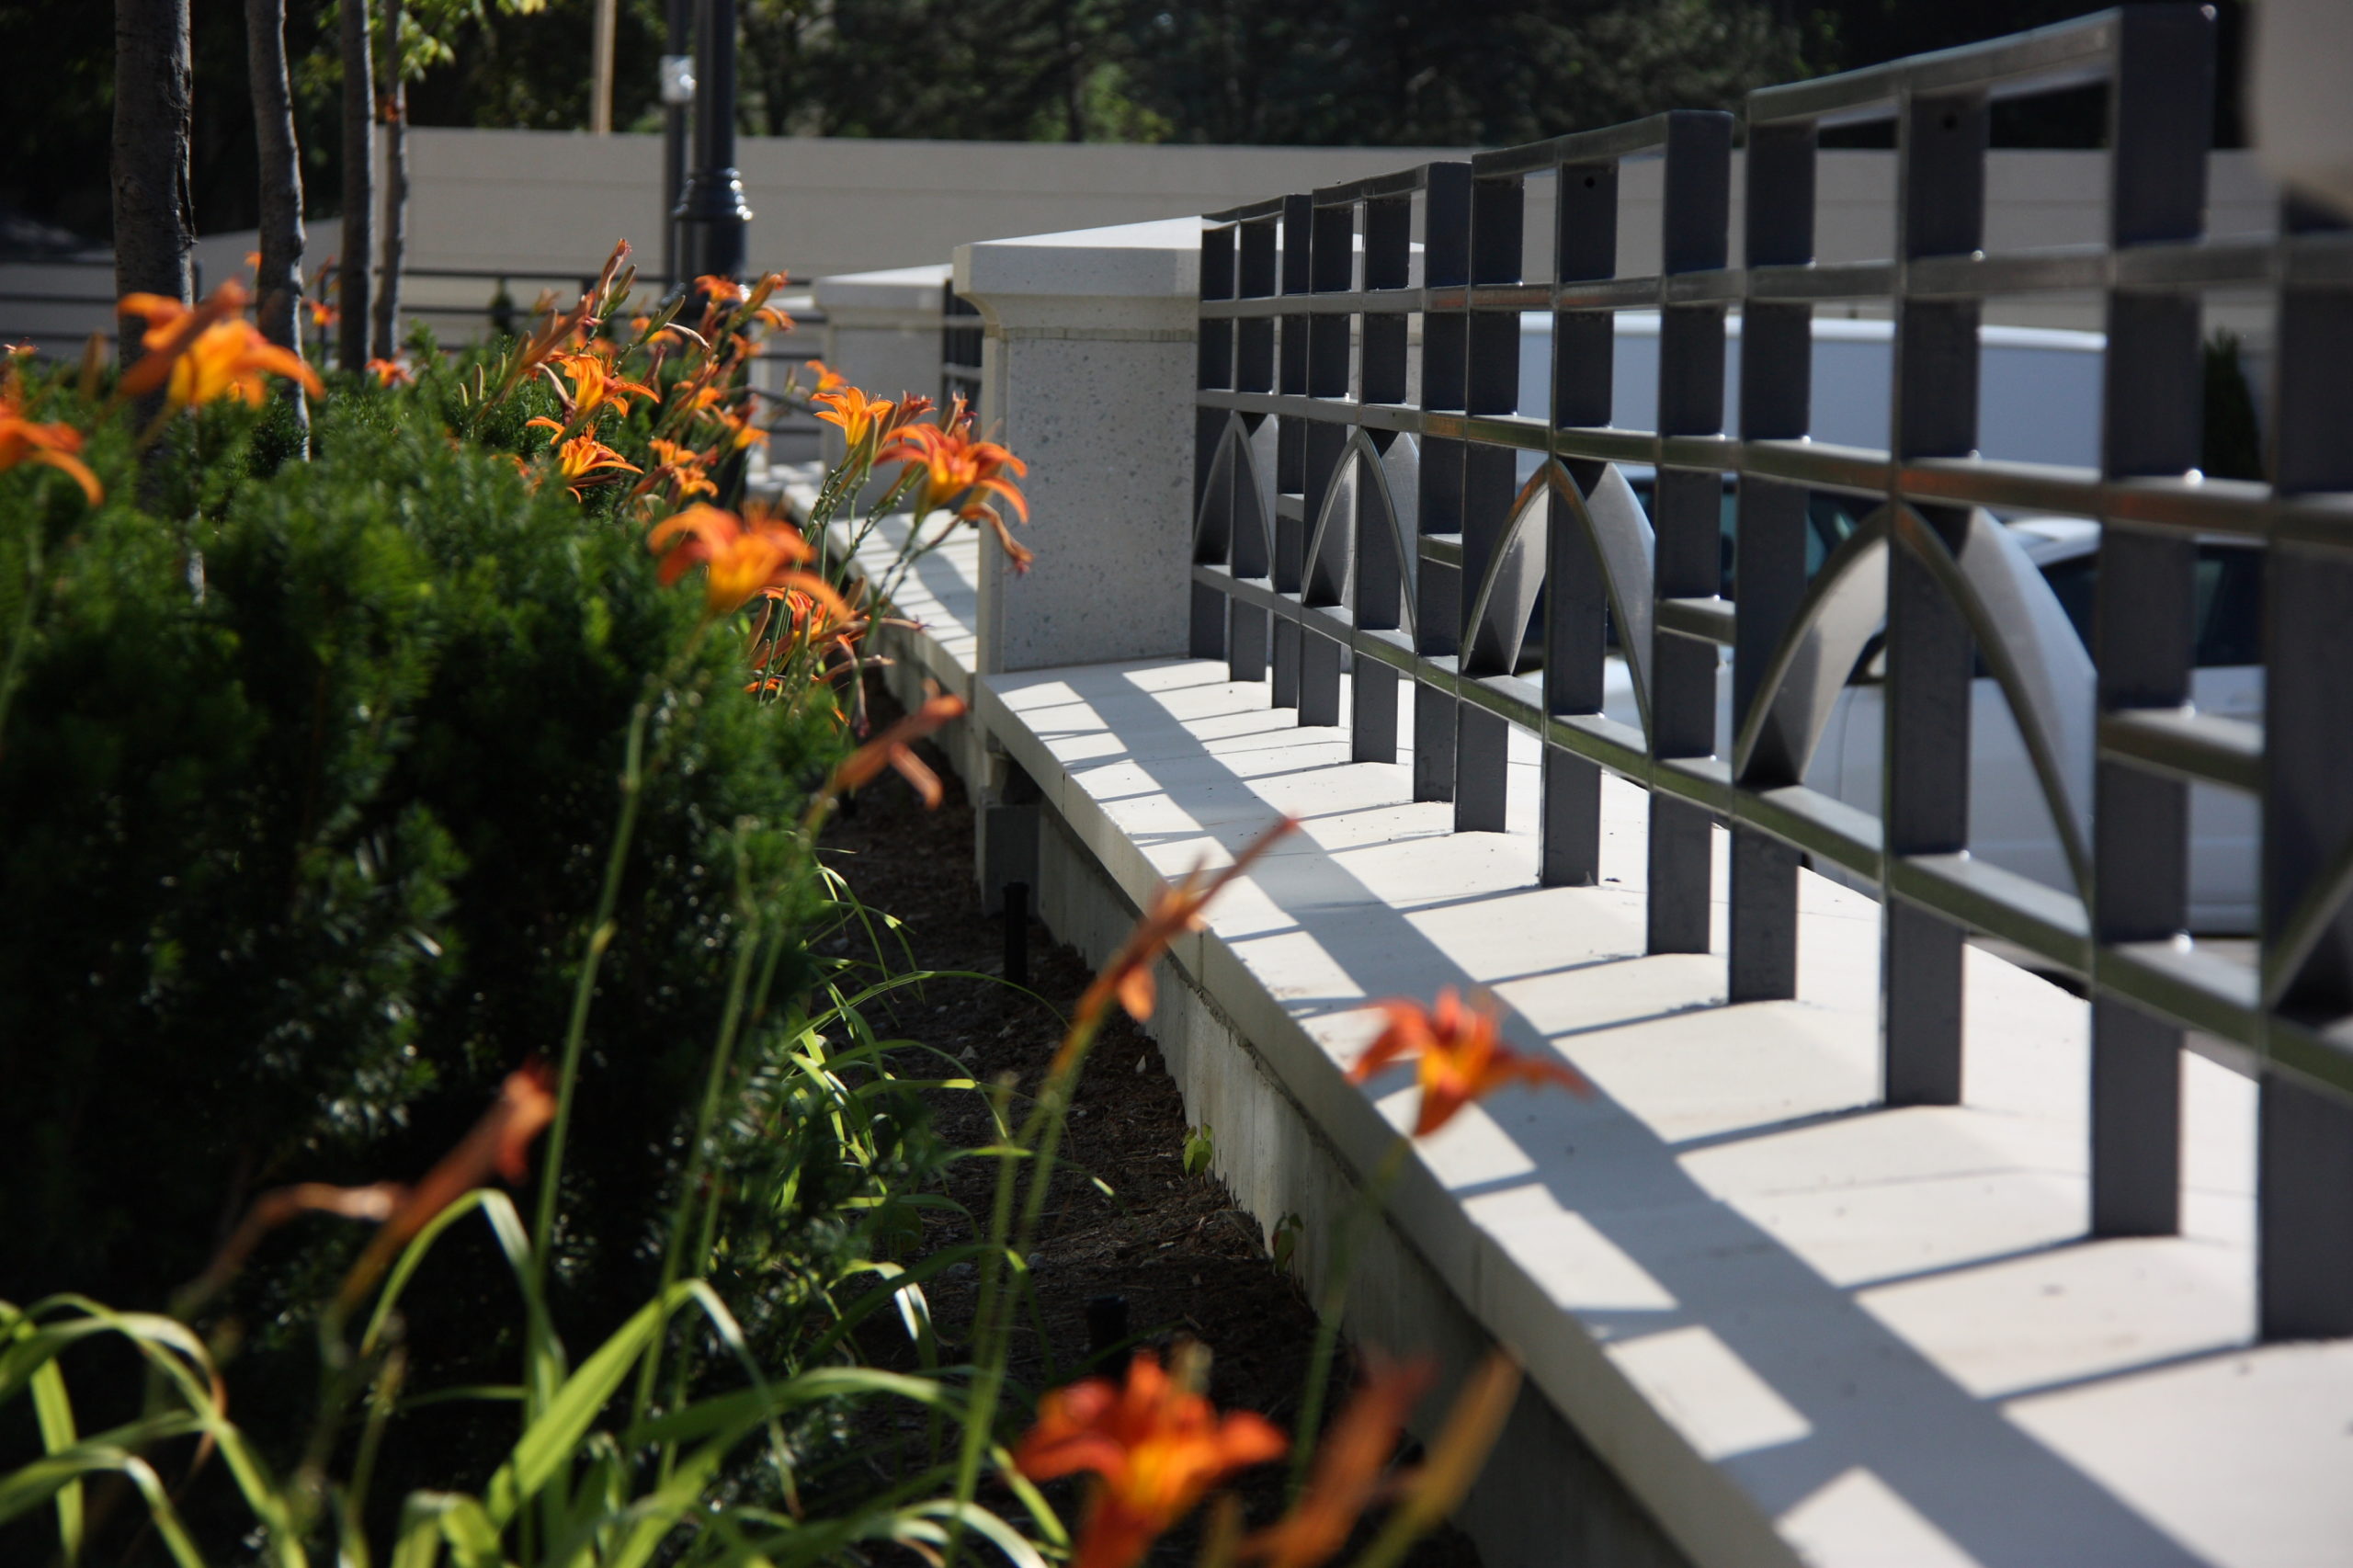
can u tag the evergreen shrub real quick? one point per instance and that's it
(307, 800)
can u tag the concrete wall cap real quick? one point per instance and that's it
(897, 288)
(1130, 260)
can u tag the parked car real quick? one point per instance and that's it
(2037, 398)
(2010, 823)
(2038, 388)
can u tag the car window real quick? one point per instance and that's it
(2229, 605)
(2227, 609)
(1829, 517)
(2073, 581)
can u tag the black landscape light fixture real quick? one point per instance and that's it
(712, 211)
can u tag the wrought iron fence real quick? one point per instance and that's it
(1366, 508)
(960, 349)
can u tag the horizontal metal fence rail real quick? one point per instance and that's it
(1359, 508)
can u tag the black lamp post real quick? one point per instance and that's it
(712, 209)
(677, 120)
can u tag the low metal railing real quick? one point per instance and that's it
(1361, 504)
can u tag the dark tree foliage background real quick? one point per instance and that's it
(1372, 72)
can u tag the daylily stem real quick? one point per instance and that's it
(988, 1361)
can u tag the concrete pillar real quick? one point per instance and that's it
(1088, 375)
(883, 332)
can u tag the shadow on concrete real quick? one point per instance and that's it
(1869, 1400)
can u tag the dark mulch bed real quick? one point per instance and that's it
(1185, 1260)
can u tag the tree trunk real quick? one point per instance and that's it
(1074, 116)
(359, 185)
(388, 282)
(154, 231)
(279, 280)
(600, 86)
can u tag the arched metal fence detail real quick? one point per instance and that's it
(1362, 451)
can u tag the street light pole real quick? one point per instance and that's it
(712, 209)
(677, 114)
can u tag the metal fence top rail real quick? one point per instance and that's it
(2052, 59)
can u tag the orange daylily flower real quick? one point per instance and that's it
(1176, 909)
(550, 332)
(593, 385)
(961, 474)
(1155, 1447)
(392, 372)
(53, 445)
(229, 360)
(585, 460)
(808, 622)
(199, 354)
(171, 325)
(323, 315)
(894, 748)
(857, 414)
(612, 282)
(741, 431)
(806, 616)
(739, 557)
(1348, 1468)
(827, 378)
(497, 1145)
(719, 291)
(680, 467)
(1459, 1057)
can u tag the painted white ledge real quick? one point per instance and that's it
(1800, 1326)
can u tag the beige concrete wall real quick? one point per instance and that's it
(528, 198)
(521, 199)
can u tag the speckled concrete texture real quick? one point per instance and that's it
(1087, 375)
